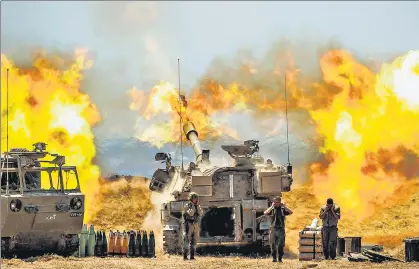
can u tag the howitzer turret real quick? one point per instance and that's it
(246, 156)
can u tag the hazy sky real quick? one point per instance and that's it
(138, 43)
(197, 32)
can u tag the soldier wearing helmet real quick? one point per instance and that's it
(278, 211)
(191, 215)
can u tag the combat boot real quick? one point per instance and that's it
(274, 257)
(185, 255)
(192, 254)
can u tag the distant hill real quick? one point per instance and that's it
(130, 156)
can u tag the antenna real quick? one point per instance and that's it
(7, 130)
(286, 116)
(180, 114)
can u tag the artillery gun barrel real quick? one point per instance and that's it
(192, 136)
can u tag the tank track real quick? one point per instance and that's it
(71, 247)
(172, 242)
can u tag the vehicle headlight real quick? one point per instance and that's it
(76, 203)
(15, 205)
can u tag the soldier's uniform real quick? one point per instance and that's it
(277, 232)
(329, 232)
(191, 216)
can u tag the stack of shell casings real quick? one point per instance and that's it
(87, 241)
(132, 244)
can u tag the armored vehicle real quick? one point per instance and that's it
(233, 198)
(42, 207)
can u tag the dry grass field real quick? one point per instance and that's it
(176, 262)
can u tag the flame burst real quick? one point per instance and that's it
(164, 100)
(366, 122)
(46, 105)
(369, 133)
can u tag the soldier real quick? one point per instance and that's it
(191, 216)
(278, 211)
(330, 215)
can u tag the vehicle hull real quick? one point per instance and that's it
(44, 224)
(238, 225)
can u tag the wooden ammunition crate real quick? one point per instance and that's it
(310, 242)
(310, 245)
(310, 256)
(317, 235)
(411, 249)
(310, 249)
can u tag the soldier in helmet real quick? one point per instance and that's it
(278, 211)
(191, 216)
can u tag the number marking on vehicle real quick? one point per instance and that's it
(76, 214)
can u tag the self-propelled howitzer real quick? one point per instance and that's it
(233, 198)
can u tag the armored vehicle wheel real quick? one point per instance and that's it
(266, 250)
(67, 247)
(5, 247)
(172, 242)
(71, 245)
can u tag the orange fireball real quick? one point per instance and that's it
(46, 105)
